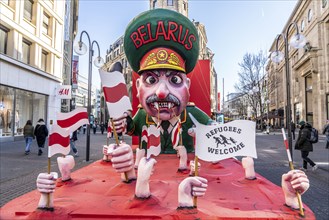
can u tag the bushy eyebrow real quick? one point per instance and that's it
(163, 71)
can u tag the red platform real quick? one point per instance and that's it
(96, 192)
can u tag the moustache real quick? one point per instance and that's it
(169, 98)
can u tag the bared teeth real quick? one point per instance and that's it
(168, 105)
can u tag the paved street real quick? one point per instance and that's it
(18, 171)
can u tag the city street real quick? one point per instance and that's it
(18, 171)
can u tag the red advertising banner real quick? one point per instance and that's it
(75, 72)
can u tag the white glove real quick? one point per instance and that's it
(65, 164)
(139, 154)
(248, 165)
(123, 161)
(192, 167)
(107, 151)
(120, 123)
(145, 170)
(292, 182)
(182, 157)
(189, 187)
(191, 132)
(46, 184)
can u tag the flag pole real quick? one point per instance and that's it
(117, 143)
(301, 209)
(196, 173)
(48, 195)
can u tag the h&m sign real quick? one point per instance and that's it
(64, 92)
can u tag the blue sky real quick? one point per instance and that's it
(233, 28)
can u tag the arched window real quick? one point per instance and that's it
(309, 15)
(302, 26)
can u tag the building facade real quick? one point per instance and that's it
(31, 60)
(309, 67)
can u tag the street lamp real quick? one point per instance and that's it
(297, 41)
(80, 48)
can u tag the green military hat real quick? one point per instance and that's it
(161, 39)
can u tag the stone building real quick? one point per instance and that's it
(31, 63)
(309, 67)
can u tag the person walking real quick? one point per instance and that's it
(84, 127)
(94, 128)
(28, 132)
(293, 128)
(102, 127)
(304, 145)
(41, 133)
(73, 139)
(326, 132)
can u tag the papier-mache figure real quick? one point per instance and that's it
(162, 46)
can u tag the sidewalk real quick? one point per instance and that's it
(18, 171)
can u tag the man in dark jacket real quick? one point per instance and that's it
(304, 145)
(41, 133)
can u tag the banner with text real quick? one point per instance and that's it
(221, 141)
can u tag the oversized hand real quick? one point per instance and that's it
(46, 183)
(123, 160)
(181, 151)
(292, 182)
(189, 187)
(248, 165)
(65, 164)
(120, 123)
(145, 170)
(140, 153)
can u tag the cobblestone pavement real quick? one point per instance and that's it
(18, 172)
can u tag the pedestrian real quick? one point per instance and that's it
(326, 132)
(73, 139)
(84, 128)
(94, 128)
(304, 145)
(102, 127)
(41, 133)
(28, 132)
(293, 128)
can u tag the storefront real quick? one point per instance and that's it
(16, 107)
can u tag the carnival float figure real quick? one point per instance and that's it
(162, 47)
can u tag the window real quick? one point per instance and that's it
(44, 60)
(28, 8)
(26, 47)
(3, 39)
(302, 26)
(185, 6)
(324, 3)
(170, 2)
(6, 2)
(45, 23)
(309, 15)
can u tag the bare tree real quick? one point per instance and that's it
(251, 81)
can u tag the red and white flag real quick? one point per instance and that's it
(59, 141)
(115, 92)
(109, 132)
(144, 134)
(154, 143)
(73, 120)
(175, 134)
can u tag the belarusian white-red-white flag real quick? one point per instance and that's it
(115, 92)
(59, 141)
(153, 143)
(144, 134)
(221, 141)
(73, 120)
(175, 134)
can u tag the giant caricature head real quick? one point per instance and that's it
(162, 46)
